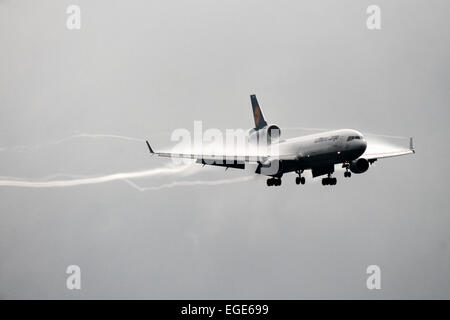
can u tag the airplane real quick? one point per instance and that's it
(319, 153)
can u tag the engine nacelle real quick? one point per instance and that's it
(269, 133)
(360, 165)
(273, 133)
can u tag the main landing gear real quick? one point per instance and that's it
(300, 179)
(274, 182)
(329, 181)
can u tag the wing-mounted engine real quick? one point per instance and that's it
(360, 165)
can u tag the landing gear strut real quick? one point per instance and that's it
(329, 181)
(274, 182)
(300, 179)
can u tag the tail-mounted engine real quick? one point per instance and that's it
(267, 134)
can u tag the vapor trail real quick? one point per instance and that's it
(306, 129)
(329, 129)
(14, 182)
(191, 183)
(385, 136)
(72, 137)
(94, 135)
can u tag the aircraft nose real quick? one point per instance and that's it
(362, 145)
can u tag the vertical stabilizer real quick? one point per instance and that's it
(258, 116)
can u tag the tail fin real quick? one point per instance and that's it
(257, 113)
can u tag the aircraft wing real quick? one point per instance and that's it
(380, 155)
(231, 161)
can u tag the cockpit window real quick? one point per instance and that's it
(350, 138)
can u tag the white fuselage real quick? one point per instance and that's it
(322, 149)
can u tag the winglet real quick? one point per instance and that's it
(411, 145)
(149, 148)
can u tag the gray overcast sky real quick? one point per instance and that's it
(144, 68)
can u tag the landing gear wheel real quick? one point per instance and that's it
(347, 174)
(300, 179)
(329, 181)
(273, 182)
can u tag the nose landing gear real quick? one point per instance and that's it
(347, 173)
(300, 179)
